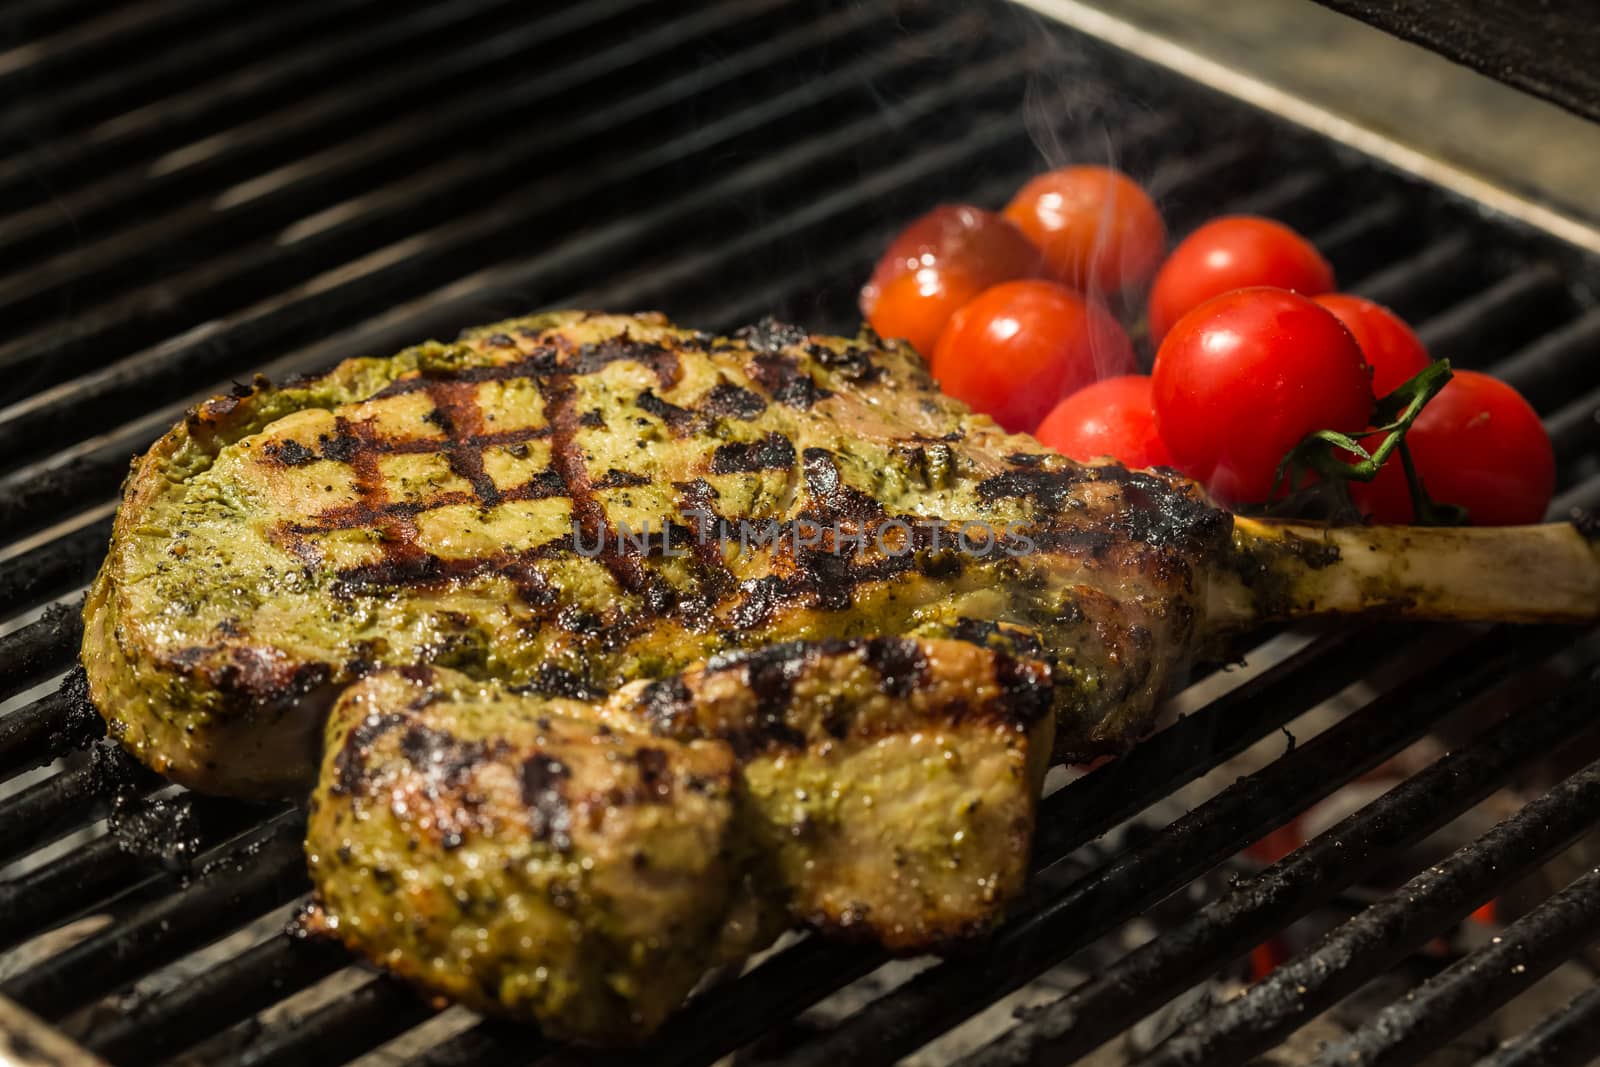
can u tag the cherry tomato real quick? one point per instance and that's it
(1244, 377)
(1021, 346)
(1233, 252)
(938, 263)
(1109, 418)
(1099, 232)
(1478, 444)
(1395, 354)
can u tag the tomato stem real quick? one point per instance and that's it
(1392, 416)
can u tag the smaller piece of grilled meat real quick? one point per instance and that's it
(583, 864)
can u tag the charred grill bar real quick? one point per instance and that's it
(294, 184)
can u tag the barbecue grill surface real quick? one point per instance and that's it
(193, 191)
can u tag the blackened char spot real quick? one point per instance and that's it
(665, 703)
(554, 681)
(441, 755)
(854, 363)
(654, 775)
(289, 453)
(1026, 685)
(543, 794)
(781, 376)
(679, 420)
(1052, 489)
(663, 361)
(592, 419)
(770, 335)
(732, 401)
(349, 765)
(772, 452)
(621, 479)
(900, 663)
(341, 446)
(831, 498)
(761, 597)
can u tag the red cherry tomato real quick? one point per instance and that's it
(1478, 444)
(1021, 346)
(1244, 377)
(1234, 252)
(1099, 231)
(1109, 418)
(938, 263)
(1395, 354)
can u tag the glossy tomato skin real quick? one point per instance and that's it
(1099, 231)
(1109, 418)
(1478, 444)
(1244, 377)
(1019, 347)
(938, 263)
(1233, 252)
(1394, 352)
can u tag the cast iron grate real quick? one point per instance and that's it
(194, 191)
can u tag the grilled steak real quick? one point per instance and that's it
(652, 642)
(600, 857)
(572, 502)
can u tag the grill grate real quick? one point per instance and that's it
(195, 190)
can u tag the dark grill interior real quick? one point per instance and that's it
(195, 190)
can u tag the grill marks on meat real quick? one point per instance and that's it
(465, 505)
(881, 789)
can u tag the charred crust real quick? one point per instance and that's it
(542, 780)
(771, 336)
(1027, 689)
(772, 452)
(554, 681)
(621, 479)
(288, 453)
(440, 755)
(666, 704)
(900, 662)
(781, 376)
(654, 775)
(680, 421)
(831, 498)
(726, 400)
(349, 766)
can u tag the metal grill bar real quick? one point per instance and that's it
(1373, 941)
(1251, 911)
(115, 868)
(348, 1026)
(39, 649)
(1566, 1039)
(1050, 927)
(31, 497)
(49, 417)
(250, 879)
(47, 729)
(1470, 989)
(1512, 311)
(727, 1018)
(151, 1029)
(133, 137)
(55, 566)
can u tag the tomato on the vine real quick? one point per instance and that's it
(1109, 418)
(938, 263)
(1018, 348)
(1243, 378)
(1233, 252)
(1394, 352)
(1478, 445)
(1099, 231)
